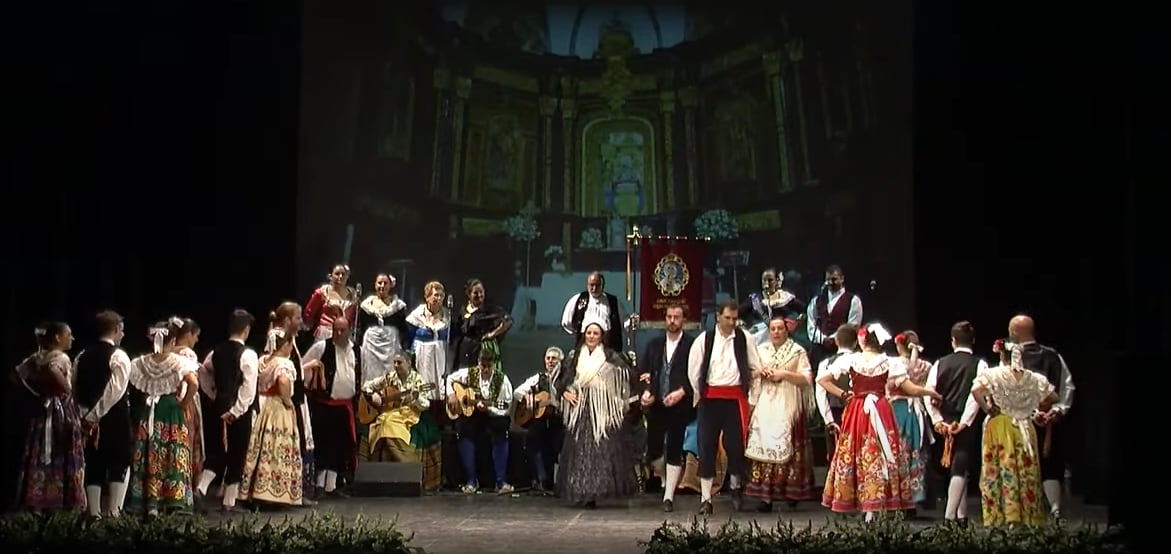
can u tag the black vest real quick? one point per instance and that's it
(225, 362)
(842, 382)
(1043, 360)
(739, 349)
(329, 367)
(93, 373)
(614, 336)
(953, 381)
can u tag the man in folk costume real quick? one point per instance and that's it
(1046, 361)
(544, 437)
(330, 367)
(952, 376)
(720, 366)
(831, 407)
(228, 379)
(833, 307)
(102, 372)
(493, 394)
(594, 303)
(669, 398)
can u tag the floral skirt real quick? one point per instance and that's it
(792, 480)
(160, 458)
(193, 415)
(913, 438)
(860, 478)
(52, 472)
(1010, 477)
(273, 468)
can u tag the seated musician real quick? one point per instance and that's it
(400, 397)
(491, 395)
(545, 434)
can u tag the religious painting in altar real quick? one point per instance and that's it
(618, 168)
(501, 156)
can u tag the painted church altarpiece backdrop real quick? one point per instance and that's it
(617, 161)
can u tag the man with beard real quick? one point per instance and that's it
(593, 303)
(667, 399)
(1048, 362)
(833, 307)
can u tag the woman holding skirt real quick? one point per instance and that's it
(868, 472)
(596, 459)
(162, 385)
(1010, 479)
(273, 468)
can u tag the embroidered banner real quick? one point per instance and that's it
(670, 274)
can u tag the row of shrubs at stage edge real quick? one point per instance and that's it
(190, 535)
(884, 535)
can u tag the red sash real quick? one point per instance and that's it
(736, 393)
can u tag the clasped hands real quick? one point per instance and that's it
(952, 428)
(1047, 417)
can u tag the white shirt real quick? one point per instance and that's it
(246, 394)
(853, 317)
(819, 392)
(933, 380)
(596, 307)
(115, 387)
(503, 400)
(344, 381)
(723, 371)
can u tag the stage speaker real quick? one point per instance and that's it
(374, 479)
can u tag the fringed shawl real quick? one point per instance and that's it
(601, 380)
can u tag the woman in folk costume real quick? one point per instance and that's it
(273, 467)
(383, 318)
(779, 449)
(390, 433)
(429, 333)
(774, 301)
(333, 299)
(161, 386)
(596, 459)
(52, 470)
(868, 470)
(911, 414)
(193, 412)
(288, 318)
(1010, 477)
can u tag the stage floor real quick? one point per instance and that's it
(455, 523)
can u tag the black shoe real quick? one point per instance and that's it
(590, 505)
(337, 493)
(705, 508)
(737, 499)
(764, 507)
(668, 506)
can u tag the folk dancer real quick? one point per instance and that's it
(493, 395)
(545, 435)
(52, 469)
(273, 471)
(771, 302)
(382, 319)
(721, 366)
(1048, 362)
(1010, 481)
(598, 305)
(779, 449)
(331, 300)
(102, 372)
(670, 398)
(160, 472)
(193, 412)
(228, 381)
(910, 414)
(831, 407)
(595, 396)
(331, 379)
(867, 473)
(288, 318)
(952, 376)
(833, 307)
(390, 433)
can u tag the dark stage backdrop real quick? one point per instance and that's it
(441, 145)
(156, 171)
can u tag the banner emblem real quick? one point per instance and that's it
(671, 275)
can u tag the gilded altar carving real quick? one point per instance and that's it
(618, 163)
(775, 86)
(614, 45)
(689, 98)
(667, 107)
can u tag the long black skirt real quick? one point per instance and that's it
(592, 470)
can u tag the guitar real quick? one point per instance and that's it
(465, 402)
(525, 413)
(368, 412)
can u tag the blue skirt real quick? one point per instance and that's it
(914, 441)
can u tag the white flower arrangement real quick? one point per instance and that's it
(554, 251)
(522, 227)
(591, 239)
(717, 225)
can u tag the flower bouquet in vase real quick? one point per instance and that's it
(717, 225)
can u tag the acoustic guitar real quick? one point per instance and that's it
(368, 412)
(524, 413)
(465, 404)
